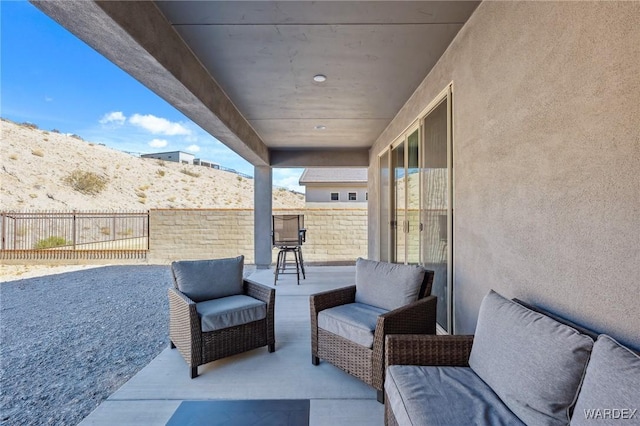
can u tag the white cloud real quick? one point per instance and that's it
(116, 117)
(193, 148)
(158, 125)
(48, 99)
(158, 143)
(288, 178)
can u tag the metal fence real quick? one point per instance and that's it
(75, 234)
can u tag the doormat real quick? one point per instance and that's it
(274, 412)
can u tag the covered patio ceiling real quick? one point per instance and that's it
(244, 70)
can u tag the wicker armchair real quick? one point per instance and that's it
(244, 332)
(442, 351)
(363, 362)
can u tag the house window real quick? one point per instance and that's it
(366, 196)
(352, 196)
(334, 196)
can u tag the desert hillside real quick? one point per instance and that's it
(43, 170)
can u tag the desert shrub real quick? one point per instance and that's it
(161, 163)
(37, 153)
(190, 173)
(239, 178)
(50, 242)
(76, 137)
(13, 157)
(33, 195)
(55, 131)
(105, 230)
(141, 194)
(86, 182)
(160, 173)
(171, 199)
(126, 232)
(29, 125)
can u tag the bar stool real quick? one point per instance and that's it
(288, 234)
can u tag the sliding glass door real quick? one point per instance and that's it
(435, 207)
(412, 203)
(416, 210)
(398, 223)
(385, 207)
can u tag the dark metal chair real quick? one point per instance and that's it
(288, 234)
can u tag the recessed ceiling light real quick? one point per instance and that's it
(320, 127)
(319, 78)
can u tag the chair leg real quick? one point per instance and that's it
(315, 360)
(171, 345)
(272, 347)
(275, 281)
(304, 275)
(194, 372)
(295, 256)
(380, 396)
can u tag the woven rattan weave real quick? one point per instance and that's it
(200, 348)
(367, 364)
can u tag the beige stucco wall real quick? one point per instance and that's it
(333, 235)
(546, 160)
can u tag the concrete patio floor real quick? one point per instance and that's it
(336, 398)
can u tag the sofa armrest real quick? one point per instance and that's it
(329, 299)
(451, 351)
(185, 330)
(415, 318)
(268, 296)
(325, 300)
(259, 291)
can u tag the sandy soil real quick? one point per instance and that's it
(35, 164)
(19, 272)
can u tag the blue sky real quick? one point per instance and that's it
(54, 80)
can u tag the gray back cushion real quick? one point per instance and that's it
(532, 362)
(387, 285)
(612, 381)
(204, 280)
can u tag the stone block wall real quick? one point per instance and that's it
(333, 235)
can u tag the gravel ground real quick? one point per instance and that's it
(70, 340)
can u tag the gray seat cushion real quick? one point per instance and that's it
(443, 396)
(353, 321)
(387, 285)
(532, 362)
(228, 311)
(607, 395)
(204, 280)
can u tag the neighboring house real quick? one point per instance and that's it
(203, 163)
(175, 156)
(335, 186)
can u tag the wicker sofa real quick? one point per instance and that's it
(387, 298)
(523, 366)
(215, 313)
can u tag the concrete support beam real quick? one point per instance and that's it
(263, 184)
(137, 37)
(320, 158)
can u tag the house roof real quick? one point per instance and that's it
(337, 175)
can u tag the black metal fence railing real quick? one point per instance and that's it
(75, 234)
